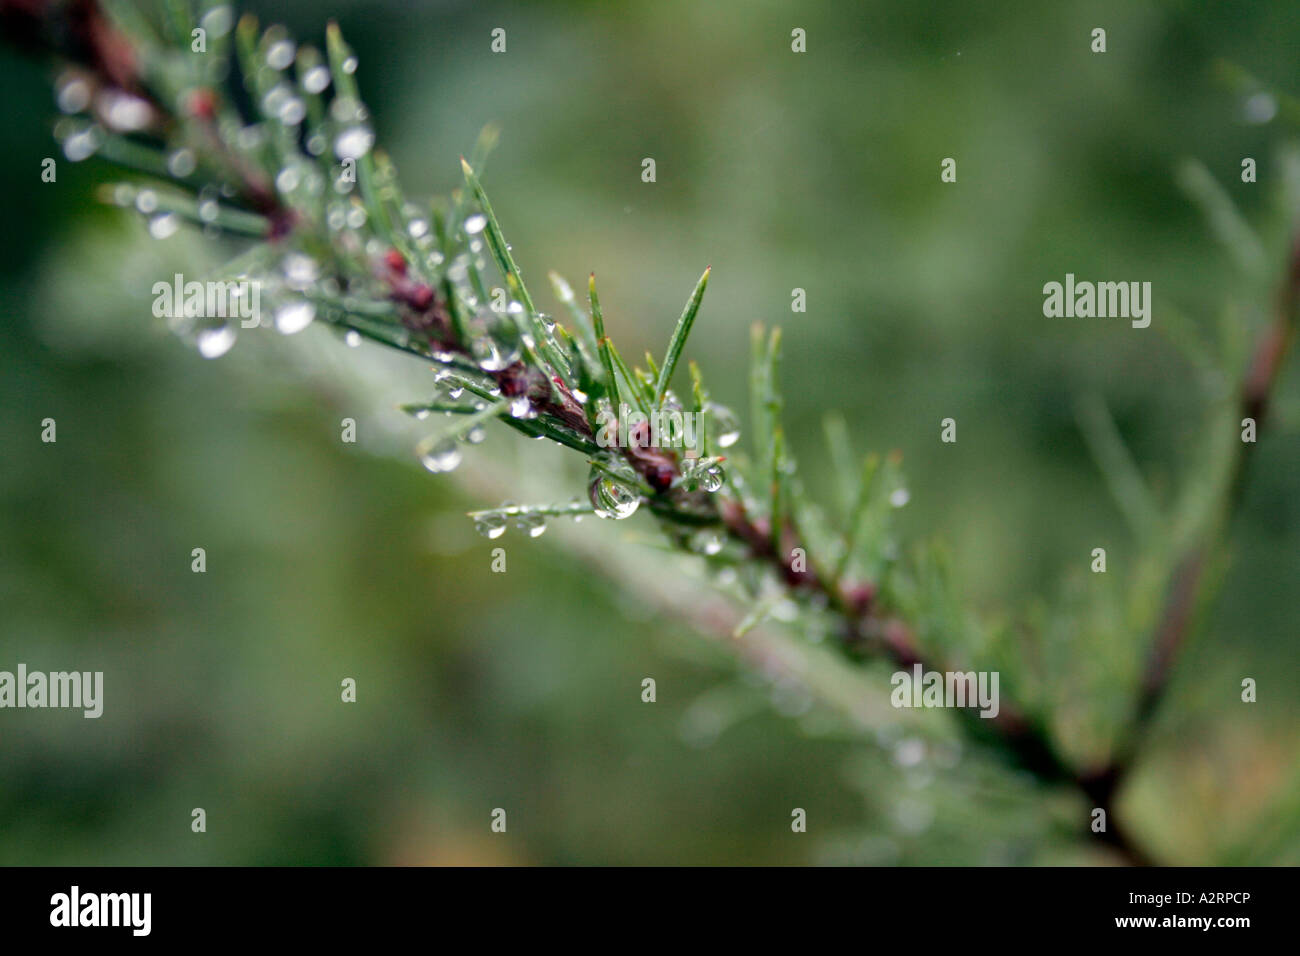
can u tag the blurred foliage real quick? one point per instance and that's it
(817, 171)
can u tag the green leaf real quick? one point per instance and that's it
(604, 346)
(569, 509)
(1117, 466)
(1225, 219)
(581, 320)
(841, 453)
(680, 334)
(858, 515)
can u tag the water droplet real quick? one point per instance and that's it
(899, 497)
(418, 228)
(475, 224)
(280, 54)
(73, 94)
(439, 454)
(726, 429)
(909, 752)
(493, 356)
(712, 477)
(164, 225)
(81, 144)
(613, 499)
(291, 111)
(357, 217)
(706, 472)
(490, 525)
(1259, 107)
(707, 542)
(352, 339)
(209, 210)
(316, 79)
(294, 316)
(476, 435)
(146, 200)
(123, 111)
(217, 21)
(216, 341)
(534, 525)
(181, 163)
(299, 269)
(354, 142)
(350, 65)
(287, 179)
(455, 392)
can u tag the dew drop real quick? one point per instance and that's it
(352, 339)
(350, 65)
(299, 269)
(217, 21)
(316, 79)
(353, 142)
(294, 316)
(216, 341)
(287, 179)
(181, 163)
(707, 542)
(476, 435)
(292, 111)
(81, 144)
(613, 499)
(439, 454)
(73, 94)
(534, 525)
(280, 54)
(475, 224)
(899, 497)
(1259, 107)
(726, 428)
(123, 111)
(164, 225)
(711, 477)
(491, 525)
(491, 356)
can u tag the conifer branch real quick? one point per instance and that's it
(339, 242)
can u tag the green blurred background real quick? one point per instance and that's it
(522, 691)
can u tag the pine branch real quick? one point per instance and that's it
(339, 243)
